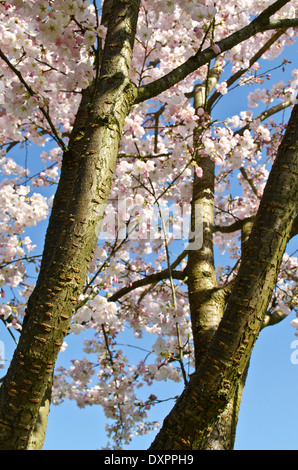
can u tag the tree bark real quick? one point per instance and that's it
(74, 226)
(205, 299)
(213, 384)
(260, 24)
(78, 208)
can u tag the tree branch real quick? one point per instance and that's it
(151, 279)
(249, 181)
(233, 227)
(273, 318)
(143, 157)
(258, 25)
(214, 382)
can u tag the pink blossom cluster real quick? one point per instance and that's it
(53, 51)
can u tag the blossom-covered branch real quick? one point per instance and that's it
(151, 279)
(260, 24)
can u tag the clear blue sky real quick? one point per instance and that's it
(268, 416)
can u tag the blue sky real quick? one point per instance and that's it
(268, 417)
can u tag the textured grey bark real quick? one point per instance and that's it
(84, 185)
(260, 24)
(214, 383)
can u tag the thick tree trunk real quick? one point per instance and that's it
(74, 225)
(38, 434)
(214, 383)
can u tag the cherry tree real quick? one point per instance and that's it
(122, 101)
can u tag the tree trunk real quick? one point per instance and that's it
(223, 434)
(206, 300)
(74, 225)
